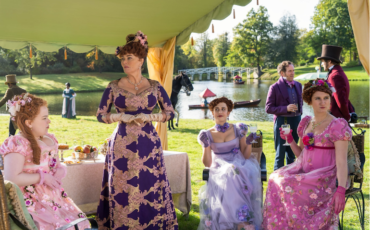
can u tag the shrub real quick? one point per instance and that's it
(350, 64)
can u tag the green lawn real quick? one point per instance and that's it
(353, 73)
(54, 83)
(183, 139)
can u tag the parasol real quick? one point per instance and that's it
(207, 93)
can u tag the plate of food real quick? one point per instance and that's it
(70, 163)
(63, 146)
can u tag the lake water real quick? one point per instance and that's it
(87, 103)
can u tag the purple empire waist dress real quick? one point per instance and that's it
(135, 190)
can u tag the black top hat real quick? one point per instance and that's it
(331, 53)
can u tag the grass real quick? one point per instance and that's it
(184, 138)
(54, 83)
(356, 73)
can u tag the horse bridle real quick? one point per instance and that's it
(187, 86)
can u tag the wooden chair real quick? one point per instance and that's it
(6, 217)
(355, 192)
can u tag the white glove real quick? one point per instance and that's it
(126, 118)
(142, 118)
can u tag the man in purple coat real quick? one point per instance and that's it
(284, 100)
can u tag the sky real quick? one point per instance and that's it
(302, 9)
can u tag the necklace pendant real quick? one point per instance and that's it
(136, 88)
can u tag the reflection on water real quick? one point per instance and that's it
(87, 103)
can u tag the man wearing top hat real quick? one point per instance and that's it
(340, 104)
(13, 90)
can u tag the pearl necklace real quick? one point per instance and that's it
(136, 88)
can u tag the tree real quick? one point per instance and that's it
(220, 48)
(332, 25)
(192, 54)
(287, 33)
(23, 60)
(181, 61)
(252, 37)
(233, 58)
(306, 53)
(103, 59)
(204, 44)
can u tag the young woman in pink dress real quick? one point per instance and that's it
(304, 195)
(32, 163)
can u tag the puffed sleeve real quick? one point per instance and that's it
(103, 113)
(302, 125)
(242, 129)
(340, 130)
(203, 139)
(165, 103)
(16, 144)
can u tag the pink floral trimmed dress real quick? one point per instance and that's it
(299, 195)
(50, 209)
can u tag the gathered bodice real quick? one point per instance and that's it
(320, 157)
(129, 103)
(225, 150)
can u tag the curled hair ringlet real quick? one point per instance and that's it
(28, 112)
(229, 103)
(309, 90)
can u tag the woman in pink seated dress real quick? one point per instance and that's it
(232, 197)
(32, 162)
(303, 195)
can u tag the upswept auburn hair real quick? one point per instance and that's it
(229, 103)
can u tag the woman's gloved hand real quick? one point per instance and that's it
(126, 118)
(288, 137)
(339, 200)
(251, 137)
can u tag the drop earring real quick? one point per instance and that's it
(227, 118)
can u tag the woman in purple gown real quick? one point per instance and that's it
(135, 191)
(303, 195)
(232, 197)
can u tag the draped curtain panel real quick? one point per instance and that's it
(359, 13)
(160, 66)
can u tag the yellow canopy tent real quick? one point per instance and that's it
(84, 25)
(359, 13)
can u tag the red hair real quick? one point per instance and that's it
(28, 112)
(133, 47)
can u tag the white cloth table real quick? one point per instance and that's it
(83, 182)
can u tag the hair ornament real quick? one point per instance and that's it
(15, 104)
(324, 83)
(138, 37)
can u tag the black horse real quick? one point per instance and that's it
(181, 80)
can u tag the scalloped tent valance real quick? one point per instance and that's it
(86, 24)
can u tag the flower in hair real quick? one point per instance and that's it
(118, 50)
(324, 83)
(142, 38)
(14, 105)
